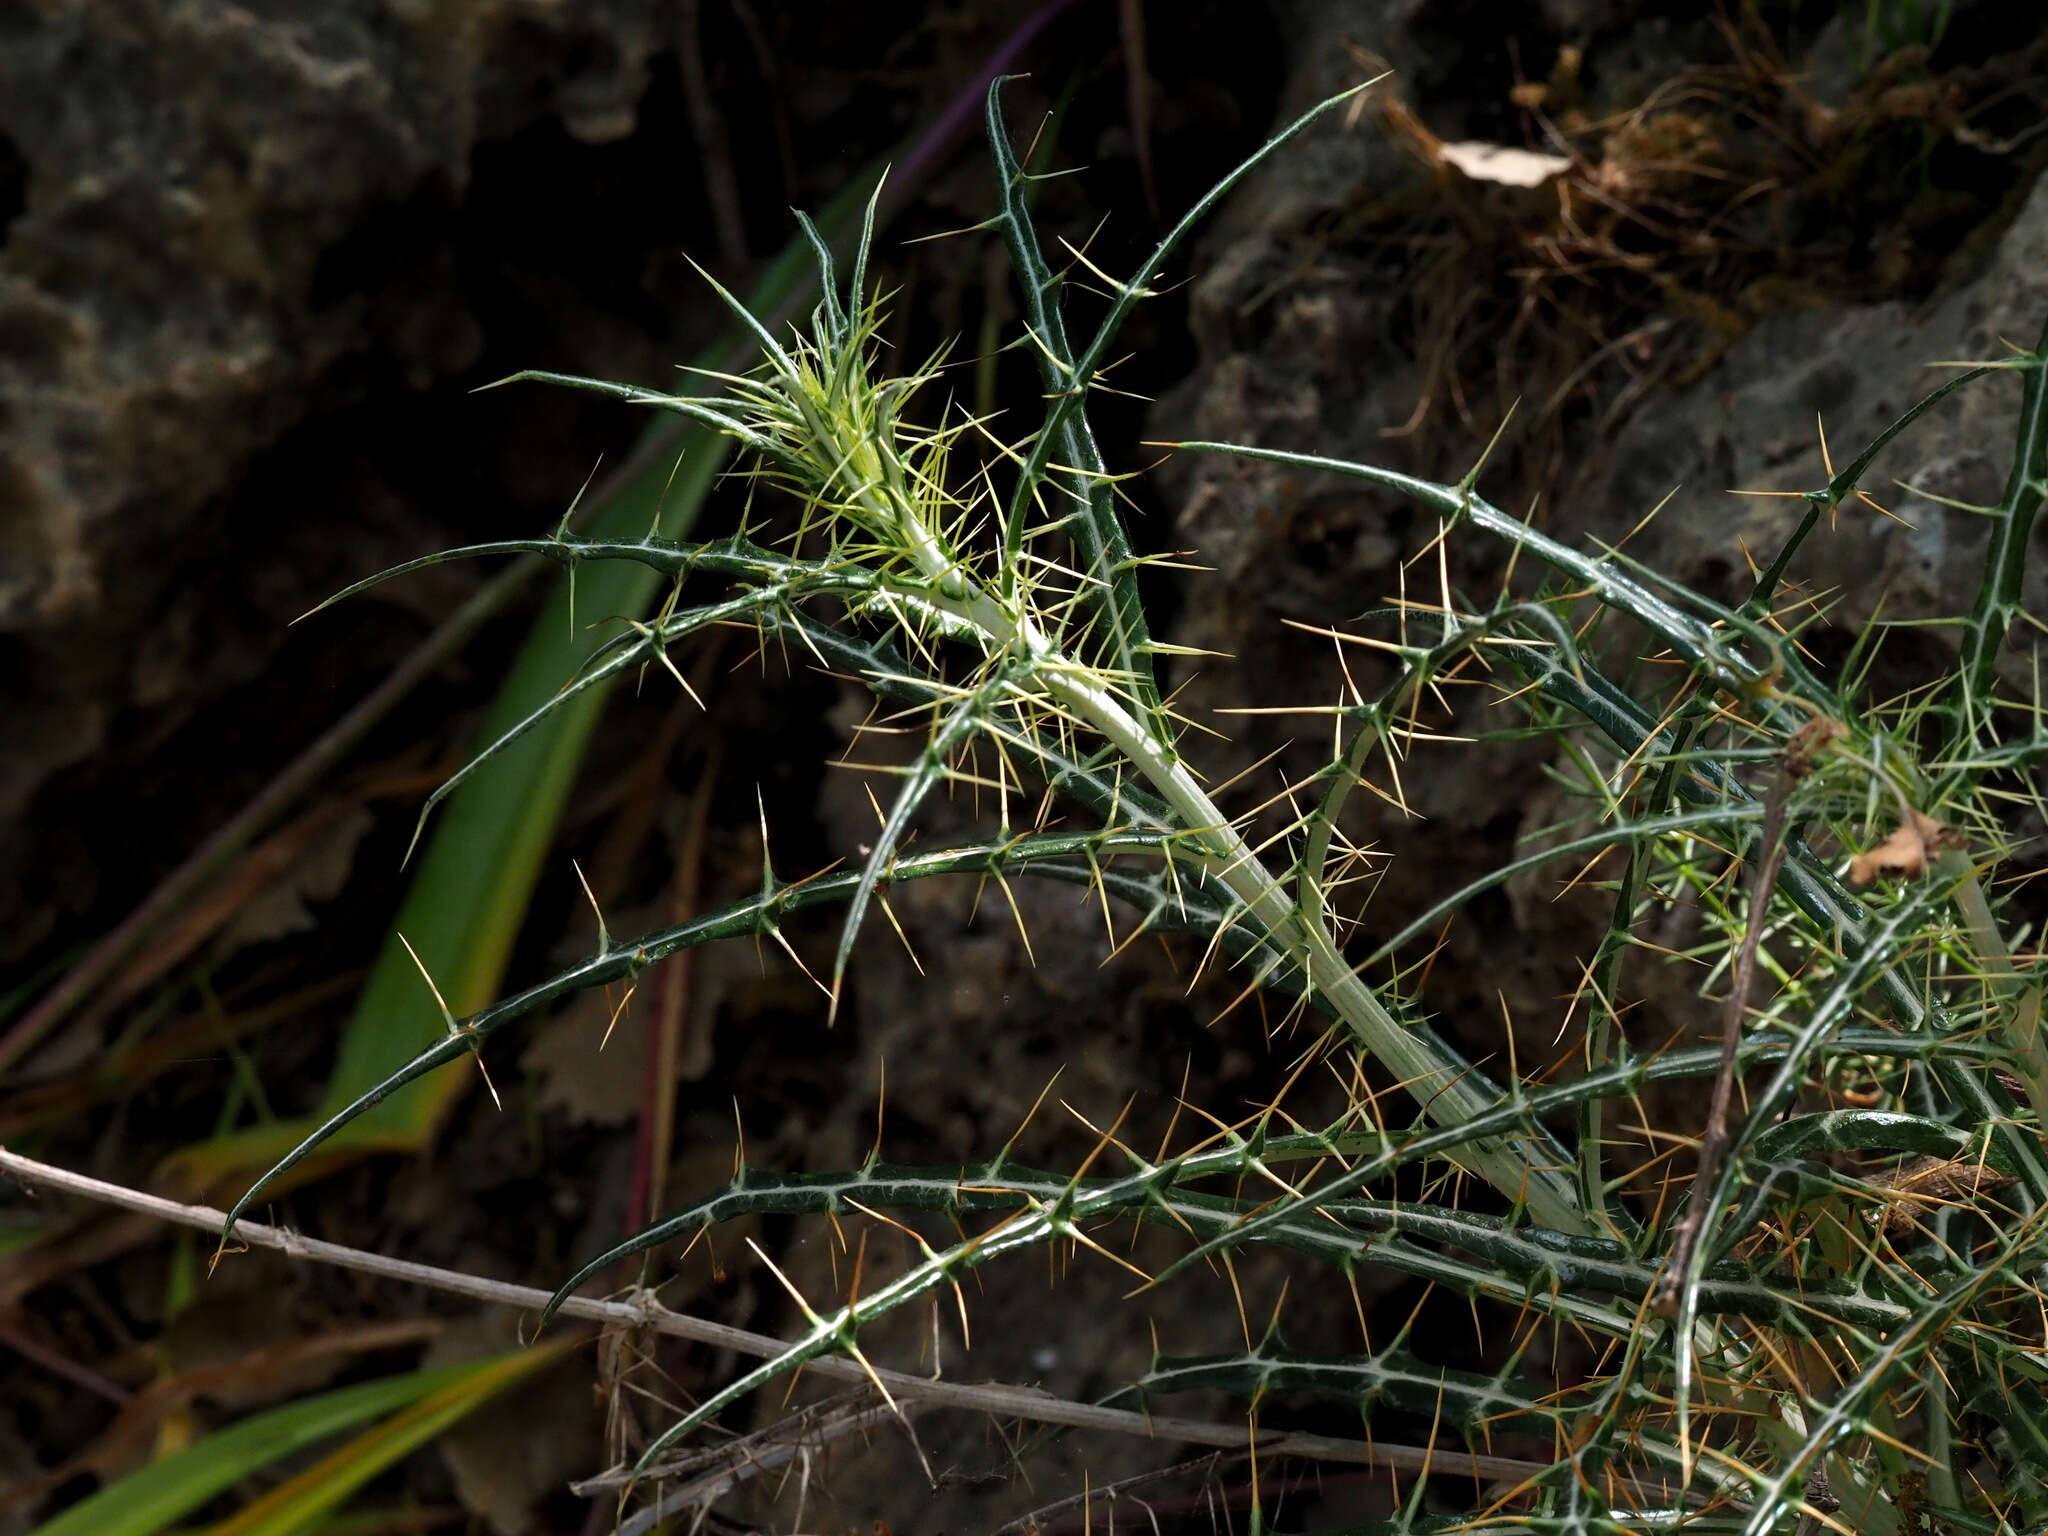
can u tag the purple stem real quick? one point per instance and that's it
(963, 106)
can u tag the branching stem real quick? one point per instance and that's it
(1685, 1246)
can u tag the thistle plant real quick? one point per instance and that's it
(1842, 1324)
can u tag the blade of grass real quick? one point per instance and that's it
(303, 1501)
(76, 978)
(483, 861)
(164, 1492)
(463, 909)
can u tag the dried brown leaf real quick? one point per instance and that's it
(1906, 851)
(1809, 741)
(1926, 1183)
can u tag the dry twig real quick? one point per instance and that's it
(1793, 765)
(997, 1398)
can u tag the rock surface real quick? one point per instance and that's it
(221, 208)
(1752, 425)
(1309, 298)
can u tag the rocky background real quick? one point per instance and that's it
(257, 256)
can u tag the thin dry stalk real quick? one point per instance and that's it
(999, 1399)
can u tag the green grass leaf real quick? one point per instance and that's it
(299, 1504)
(464, 908)
(157, 1496)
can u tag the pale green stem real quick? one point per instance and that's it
(1309, 896)
(1448, 1096)
(2018, 1007)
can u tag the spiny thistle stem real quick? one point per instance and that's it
(843, 445)
(1448, 1097)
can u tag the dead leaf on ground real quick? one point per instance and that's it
(261, 895)
(1502, 163)
(1809, 741)
(318, 873)
(592, 1084)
